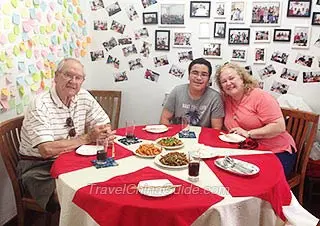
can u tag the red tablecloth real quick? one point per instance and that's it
(142, 134)
(270, 184)
(71, 161)
(114, 202)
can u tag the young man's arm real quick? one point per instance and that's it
(166, 116)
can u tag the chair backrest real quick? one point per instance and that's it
(302, 126)
(9, 149)
(110, 101)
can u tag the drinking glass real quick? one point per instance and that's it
(102, 145)
(185, 125)
(130, 127)
(194, 166)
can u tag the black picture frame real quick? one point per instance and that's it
(318, 2)
(150, 18)
(217, 33)
(294, 11)
(282, 35)
(315, 18)
(236, 35)
(162, 40)
(194, 12)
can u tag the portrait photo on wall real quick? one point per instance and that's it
(182, 39)
(100, 25)
(200, 9)
(185, 56)
(318, 2)
(96, 4)
(108, 45)
(146, 3)
(162, 40)
(315, 18)
(266, 13)
(160, 61)
(131, 12)
(219, 30)
(151, 75)
(282, 35)
(301, 37)
(239, 54)
(304, 60)
(260, 55)
(279, 87)
(113, 9)
(239, 36)
(219, 9)
(113, 60)
(120, 76)
(299, 8)
(267, 72)
(135, 64)
(289, 74)
(176, 71)
(237, 13)
(280, 57)
(141, 33)
(150, 18)
(212, 50)
(145, 49)
(262, 35)
(311, 77)
(125, 41)
(172, 14)
(117, 27)
(129, 50)
(97, 55)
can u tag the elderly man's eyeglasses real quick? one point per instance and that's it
(69, 123)
(201, 74)
(68, 76)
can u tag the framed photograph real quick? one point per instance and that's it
(172, 15)
(204, 30)
(239, 54)
(301, 37)
(219, 30)
(200, 9)
(260, 55)
(162, 40)
(299, 8)
(113, 9)
(316, 18)
(280, 57)
(279, 87)
(237, 14)
(212, 50)
(182, 39)
(219, 9)
(239, 36)
(150, 18)
(318, 2)
(282, 35)
(289, 74)
(304, 60)
(262, 35)
(266, 13)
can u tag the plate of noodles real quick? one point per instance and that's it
(172, 160)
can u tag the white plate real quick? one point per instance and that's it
(169, 147)
(146, 156)
(151, 187)
(157, 162)
(156, 128)
(88, 149)
(251, 168)
(232, 138)
(205, 154)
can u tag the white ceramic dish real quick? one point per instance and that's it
(238, 168)
(88, 150)
(157, 162)
(169, 147)
(205, 154)
(156, 128)
(156, 188)
(232, 138)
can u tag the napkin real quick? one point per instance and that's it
(107, 163)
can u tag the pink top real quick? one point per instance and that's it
(255, 110)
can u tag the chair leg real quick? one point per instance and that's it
(300, 193)
(20, 215)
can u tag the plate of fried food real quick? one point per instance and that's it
(170, 143)
(172, 160)
(148, 150)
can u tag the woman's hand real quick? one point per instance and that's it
(240, 131)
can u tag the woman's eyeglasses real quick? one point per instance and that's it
(69, 123)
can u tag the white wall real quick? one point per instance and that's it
(141, 98)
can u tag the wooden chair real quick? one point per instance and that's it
(110, 101)
(9, 149)
(302, 126)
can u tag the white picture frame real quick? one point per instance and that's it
(261, 35)
(172, 14)
(212, 50)
(239, 54)
(259, 55)
(259, 18)
(301, 41)
(182, 39)
(204, 30)
(219, 9)
(237, 12)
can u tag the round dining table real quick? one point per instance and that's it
(108, 196)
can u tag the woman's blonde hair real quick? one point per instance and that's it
(248, 81)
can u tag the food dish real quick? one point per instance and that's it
(170, 143)
(157, 161)
(238, 167)
(232, 138)
(87, 150)
(148, 151)
(156, 128)
(156, 188)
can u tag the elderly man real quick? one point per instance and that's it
(58, 121)
(196, 101)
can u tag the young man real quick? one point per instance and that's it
(56, 122)
(201, 104)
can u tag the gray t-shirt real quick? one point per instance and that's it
(200, 112)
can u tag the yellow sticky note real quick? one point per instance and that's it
(9, 63)
(7, 8)
(53, 27)
(75, 16)
(58, 16)
(14, 3)
(47, 74)
(16, 30)
(75, 2)
(12, 37)
(21, 91)
(24, 13)
(3, 56)
(58, 39)
(68, 27)
(65, 35)
(29, 53)
(34, 87)
(36, 77)
(22, 47)
(16, 50)
(84, 44)
(48, 29)
(6, 23)
(5, 93)
(89, 40)
(42, 30)
(28, 3)
(83, 53)
(65, 3)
